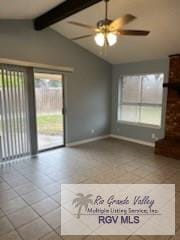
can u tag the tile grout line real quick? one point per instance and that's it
(16, 229)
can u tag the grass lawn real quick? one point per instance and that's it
(50, 124)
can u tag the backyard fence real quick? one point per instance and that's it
(48, 100)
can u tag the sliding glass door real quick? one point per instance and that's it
(31, 111)
(49, 110)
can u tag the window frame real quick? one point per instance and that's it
(120, 101)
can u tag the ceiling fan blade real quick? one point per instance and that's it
(81, 37)
(133, 32)
(120, 22)
(83, 25)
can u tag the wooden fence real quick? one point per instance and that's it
(49, 100)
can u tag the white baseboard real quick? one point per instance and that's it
(133, 140)
(73, 144)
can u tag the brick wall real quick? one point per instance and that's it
(173, 101)
(170, 146)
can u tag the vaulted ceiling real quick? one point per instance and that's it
(161, 17)
(25, 9)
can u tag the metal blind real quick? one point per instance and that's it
(14, 120)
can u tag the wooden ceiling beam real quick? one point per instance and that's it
(62, 11)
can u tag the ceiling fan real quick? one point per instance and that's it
(107, 31)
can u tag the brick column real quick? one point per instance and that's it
(170, 146)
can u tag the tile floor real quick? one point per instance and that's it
(30, 189)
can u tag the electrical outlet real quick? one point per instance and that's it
(153, 136)
(92, 131)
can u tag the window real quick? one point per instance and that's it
(140, 99)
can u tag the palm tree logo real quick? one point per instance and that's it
(81, 202)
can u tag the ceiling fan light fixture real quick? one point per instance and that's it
(100, 39)
(112, 39)
(107, 31)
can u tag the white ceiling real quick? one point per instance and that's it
(161, 17)
(25, 9)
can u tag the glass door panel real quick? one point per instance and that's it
(49, 110)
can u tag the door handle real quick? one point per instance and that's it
(63, 111)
